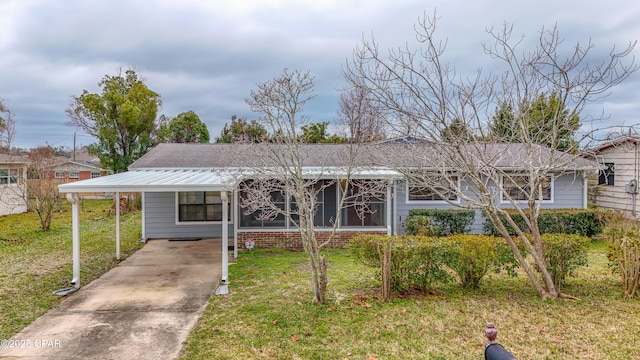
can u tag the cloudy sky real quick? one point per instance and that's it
(207, 55)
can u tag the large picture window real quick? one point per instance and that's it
(444, 191)
(355, 214)
(516, 187)
(257, 220)
(200, 206)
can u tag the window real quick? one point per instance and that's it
(74, 174)
(326, 204)
(95, 174)
(516, 187)
(200, 206)
(256, 218)
(8, 176)
(59, 174)
(356, 215)
(607, 175)
(420, 193)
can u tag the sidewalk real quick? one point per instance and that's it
(142, 309)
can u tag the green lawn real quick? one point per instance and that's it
(268, 315)
(34, 263)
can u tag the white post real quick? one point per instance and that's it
(225, 236)
(117, 225)
(75, 223)
(236, 221)
(389, 209)
(144, 218)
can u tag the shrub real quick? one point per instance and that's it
(565, 221)
(471, 257)
(564, 253)
(405, 262)
(439, 222)
(624, 255)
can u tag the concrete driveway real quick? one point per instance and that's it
(142, 309)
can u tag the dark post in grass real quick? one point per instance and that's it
(493, 350)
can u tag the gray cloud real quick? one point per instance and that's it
(207, 56)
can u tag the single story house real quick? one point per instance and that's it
(70, 170)
(618, 179)
(193, 190)
(13, 185)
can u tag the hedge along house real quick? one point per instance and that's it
(194, 191)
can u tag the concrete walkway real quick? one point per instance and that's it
(142, 309)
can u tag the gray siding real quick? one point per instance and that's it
(568, 193)
(160, 219)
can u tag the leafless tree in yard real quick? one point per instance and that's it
(7, 127)
(418, 89)
(285, 180)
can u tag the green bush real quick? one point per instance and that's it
(564, 253)
(415, 262)
(624, 255)
(471, 257)
(565, 221)
(439, 222)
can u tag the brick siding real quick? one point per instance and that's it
(290, 240)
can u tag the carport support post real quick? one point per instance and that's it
(75, 223)
(225, 235)
(117, 225)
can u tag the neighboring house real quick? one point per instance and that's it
(618, 179)
(13, 186)
(70, 170)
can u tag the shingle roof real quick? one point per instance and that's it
(424, 154)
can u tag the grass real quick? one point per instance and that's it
(269, 315)
(35, 263)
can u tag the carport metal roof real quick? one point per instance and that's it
(158, 180)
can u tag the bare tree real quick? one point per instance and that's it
(417, 89)
(358, 117)
(7, 127)
(283, 184)
(42, 185)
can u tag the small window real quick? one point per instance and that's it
(8, 176)
(95, 174)
(606, 176)
(59, 174)
(421, 193)
(74, 174)
(200, 206)
(516, 188)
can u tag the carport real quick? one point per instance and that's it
(156, 180)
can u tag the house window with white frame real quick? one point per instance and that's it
(95, 174)
(59, 174)
(517, 188)
(74, 174)
(443, 192)
(200, 206)
(8, 176)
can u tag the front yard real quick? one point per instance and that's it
(34, 263)
(268, 315)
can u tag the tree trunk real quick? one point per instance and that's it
(540, 289)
